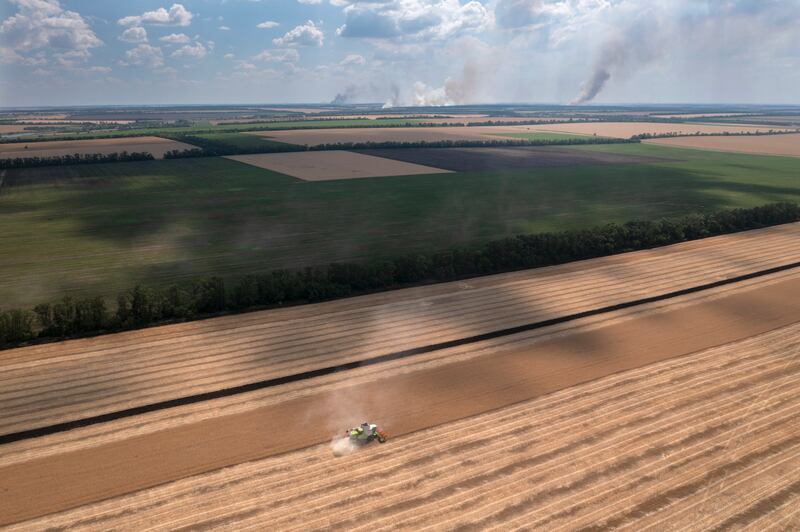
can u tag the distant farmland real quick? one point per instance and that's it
(99, 229)
(153, 145)
(788, 145)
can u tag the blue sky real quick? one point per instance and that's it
(400, 52)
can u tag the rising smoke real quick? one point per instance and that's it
(457, 90)
(624, 53)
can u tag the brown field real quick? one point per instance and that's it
(788, 145)
(628, 129)
(330, 165)
(642, 446)
(500, 158)
(154, 145)
(13, 128)
(312, 137)
(702, 441)
(705, 408)
(699, 115)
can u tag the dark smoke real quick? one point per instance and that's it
(633, 47)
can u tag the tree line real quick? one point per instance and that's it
(214, 148)
(78, 158)
(672, 134)
(143, 306)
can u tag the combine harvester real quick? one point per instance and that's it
(366, 433)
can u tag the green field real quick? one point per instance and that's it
(97, 229)
(241, 141)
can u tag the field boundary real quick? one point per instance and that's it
(286, 379)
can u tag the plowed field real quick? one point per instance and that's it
(330, 165)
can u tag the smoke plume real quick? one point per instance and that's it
(455, 91)
(624, 53)
(348, 96)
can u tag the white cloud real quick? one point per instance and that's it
(267, 24)
(44, 24)
(229, 57)
(175, 38)
(144, 55)
(289, 55)
(353, 59)
(312, 2)
(176, 16)
(305, 35)
(196, 51)
(224, 28)
(134, 34)
(418, 19)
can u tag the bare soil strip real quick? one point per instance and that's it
(55, 383)
(331, 165)
(154, 145)
(407, 403)
(787, 145)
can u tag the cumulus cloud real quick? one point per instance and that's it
(175, 38)
(289, 55)
(307, 34)
(176, 16)
(353, 59)
(144, 55)
(419, 19)
(195, 51)
(312, 2)
(224, 28)
(267, 24)
(134, 34)
(45, 25)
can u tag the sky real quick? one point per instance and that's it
(398, 52)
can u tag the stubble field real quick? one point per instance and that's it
(643, 447)
(153, 145)
(786, 145)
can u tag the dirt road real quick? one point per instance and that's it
(408, 403)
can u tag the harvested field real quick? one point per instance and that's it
(788, 145)
(511, 158)
(312, 137)
(628, 129)
(330, 165)
(47, 384)
(638, 442)
(154, 145)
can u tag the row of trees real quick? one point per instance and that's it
(672, 134)
(143, 306)
(214, 148)
(78, 158)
